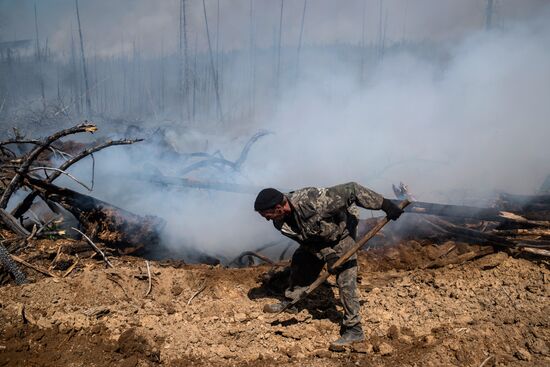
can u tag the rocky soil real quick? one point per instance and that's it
(492, 311)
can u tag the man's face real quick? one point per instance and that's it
(276, 213)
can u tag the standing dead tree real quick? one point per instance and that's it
(183, 63)
(300, 37)
(212, 66)
(84, 69)
(279, 42)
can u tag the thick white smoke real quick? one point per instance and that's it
(478, 123)
(454, 130)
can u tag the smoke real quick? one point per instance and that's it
(456, 125)
(479, 122)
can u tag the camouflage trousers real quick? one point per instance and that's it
(306, 266)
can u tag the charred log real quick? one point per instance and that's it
(534, 207)
(10, 266)
(117, 228)
(11, 223)
(462, 211)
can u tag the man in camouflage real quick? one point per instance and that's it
(323, 221)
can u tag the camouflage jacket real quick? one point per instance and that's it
(321, 217)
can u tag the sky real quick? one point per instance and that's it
(111, 27)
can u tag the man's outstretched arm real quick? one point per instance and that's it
(353, 193)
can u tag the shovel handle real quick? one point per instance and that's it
(345, 257)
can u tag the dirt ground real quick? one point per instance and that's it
(492, 310)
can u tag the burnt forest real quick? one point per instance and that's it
(138, 137)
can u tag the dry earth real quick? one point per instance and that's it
(493, 310)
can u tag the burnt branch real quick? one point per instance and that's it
(244, 153)
(20, 141)
(236, 166)
(22, 207)
(96, 249)
(33, 155)
(12, 223)
(63, 173)
(239, 259)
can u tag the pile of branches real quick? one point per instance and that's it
(27, 165)
(515, 223)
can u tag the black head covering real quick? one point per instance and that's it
(267, 199)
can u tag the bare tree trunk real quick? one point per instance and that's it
(195, 81)
(39, 61)
(186, 60)
(489, 14)
(86, 84)
(252, 62)
(162, 78)
(218, 39)
(75, 83)
(37, 43)
(383, 50)
(180, 62)
(124, 66)
(183, 63)
(279, 41)
(363, 41)
(96, 89)
(300, 40)
(379, 45)
(132, 80)
(405, 14)
(214, 74)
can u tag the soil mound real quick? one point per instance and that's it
(494, 309)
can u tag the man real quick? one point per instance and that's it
(324, 222)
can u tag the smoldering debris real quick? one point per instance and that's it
(114, 227)
(515, 224)
(30, 166)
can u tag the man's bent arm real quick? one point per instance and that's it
(353, 193)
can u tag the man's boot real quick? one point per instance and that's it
(279, 306)
(350, 335)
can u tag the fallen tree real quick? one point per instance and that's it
(120, 229)
(526, 229)
(124, 231)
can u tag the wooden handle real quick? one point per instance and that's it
(345, 257)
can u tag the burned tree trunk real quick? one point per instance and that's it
(84, 69)
(10, 266)
(117, 228)
(12, 223)
(533, 207)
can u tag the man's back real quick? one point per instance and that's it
(326, 215)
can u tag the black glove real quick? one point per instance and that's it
(331, 258)
(392, 211)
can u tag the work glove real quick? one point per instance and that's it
(392, 211)
(330, 259)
